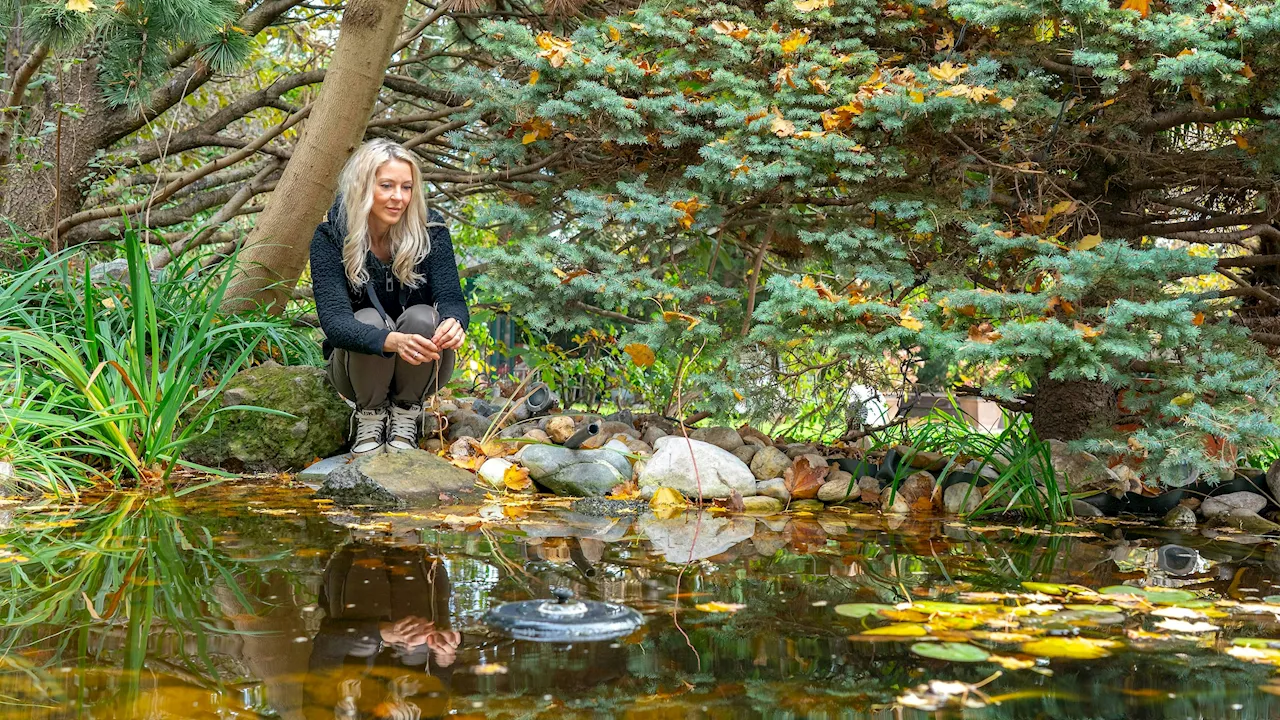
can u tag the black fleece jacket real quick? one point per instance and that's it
(337, 301)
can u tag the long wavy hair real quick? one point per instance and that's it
(410, 237)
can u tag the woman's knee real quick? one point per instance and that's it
(371, 316)
(419, 320)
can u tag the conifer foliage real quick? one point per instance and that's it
(1046, 200)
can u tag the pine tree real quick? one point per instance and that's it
(1032, 201)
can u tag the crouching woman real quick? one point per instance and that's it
(388, 296)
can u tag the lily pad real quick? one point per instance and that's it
(952, 651)
(861, 610)
(899, 630)
(1077, 648)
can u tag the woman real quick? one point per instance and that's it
(388, 296)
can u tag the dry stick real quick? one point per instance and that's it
(1250, 289)
(228, 211)
(226, 160)
(755, 276)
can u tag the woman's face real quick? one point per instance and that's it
(392, 190)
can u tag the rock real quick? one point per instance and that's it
(1219, 505)
(1082, 509)
(922, 459)
(746, 452)
(718, 471)
(117, 270)
(988, 470)
(722, 437)
(1178, 476)
(762, 504)
(1179, 517)
(618, 446)
(633, 445)
(812, 505)
(569, 523)
(651, 435)
(492, 471)
(465, 447)
(839, 487)
(560, 428)
(1081, 473)
(408, 478)
(961, 498)
(815, 460)
(433, 446)
(247, 441)
(1273, 479)
(610, 429)
(575, 472)
(913, 489)
(795, 450)
(869, 487)
(537, 436)
(313, 474)
(464, 423)
(1249, 522)
(694, 536)
(775, 488)
(753, 436)
(769, 462)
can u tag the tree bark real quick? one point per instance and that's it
(1067, 409)
(277, 249)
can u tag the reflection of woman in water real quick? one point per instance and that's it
(385, 648)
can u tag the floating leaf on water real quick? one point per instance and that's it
(1095, 608)
(1179, 613)
(1072, 648)
(719, 607)
(1056, 589)
(934, 607)
(1183, 626)
(1272, 599)
(861, 610)
(1008, 662)
(1264, 656)
(952, 651)
(899, 630)
(490, 669)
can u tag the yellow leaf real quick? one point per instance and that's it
(781, 126)
(1088, 242)
(1241, 141)
(946, 72)
(533, 77)
(822, 86)
(738, 396)
(529, 137)
(1087, 331)
(109, 303)
(737, 31)
(554, 50)
(641, 354)
(516, 478)
(1077, 648)
(670, 315)
(1198, 320)
(1184, 399)
(490, 669)
(1011, 663)
(793, 42)
(1008, 104)
(906, 320)
(899, 630)
(785, 75)
(805, 6)
(667, 497)
(690, 209)
(614, 35)
(1143, 7)
(946, 42)
(83, 6)
(719, 607)
(975, 93)
(916, 96)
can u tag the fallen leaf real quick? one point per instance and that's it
(516, 478)
(805, 6)
(533, 77)
(690, 209)
(1198, 319)
(796, 40)
(906, 320)
(737, 31)
(641, 354)
(1182, 626)
(670, 315)
(83, 6)
(490, 669)
(1143, 7)
(802, 480)
(554, 50)
(1078, 648)
(1088, 242)
(946, 72)
(898, 630)
(667, 497)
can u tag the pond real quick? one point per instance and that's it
(254, 600)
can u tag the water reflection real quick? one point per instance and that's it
(250, 602)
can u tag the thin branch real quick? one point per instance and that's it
(17, 92)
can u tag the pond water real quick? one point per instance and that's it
(253, 600)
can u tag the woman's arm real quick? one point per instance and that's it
(442, 274)
(333, 304)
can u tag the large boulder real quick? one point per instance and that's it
(250, 441)
(410, 478)
(580, 473)
(718, 473)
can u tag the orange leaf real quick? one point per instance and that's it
(802, 480)
(1143, 7)
(641, 354)
(670, 315)
(1198, 320)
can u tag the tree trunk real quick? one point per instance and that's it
(277, 249)
(1067, 409)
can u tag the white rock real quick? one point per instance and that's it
(492, 470)
(718, 473)
(961, 498)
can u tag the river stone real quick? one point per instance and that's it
(560, 428)
(795, 450)
(1081, 473)
(839, 487)
(1082, 509)
(987, 470)
(718, 474)
(913, 488)
(775, 488)
(694, 536)
(247, 441)
(407, 478)
(537, 436)
(575, 472)
(1219, 505)
(464, 423)
(746, 452)
(767, 542)
(722, 437)
(752, 436)
(1179, 517)
(769, 462)
(961, 498)
(651, 435)
(762, 504)
(1273, 479)
(922, 459)
(869, 487)
(1249, 522)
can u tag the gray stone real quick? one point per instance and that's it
(1083, 509)
(251, 441)
(536, 435)
(694, 536)
(1219, 505)
(1179, 517)
(651, 435)
(575, 472)
(610, 429)
(775, 488)
(718, 473)
(1273, 479)
(722, 437)
(315, 473)
(988, 470)
(1081, 473)
(961, 498)
(493, 471)
(746, 452)
(769, 462)
(752, 436)
(761, 504)
(912, 489)
(464, 423)
(1249, 522)
(795, 450)
(409, 478)
(839, 487)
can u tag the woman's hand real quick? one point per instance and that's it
(449, 334)
(413, 349)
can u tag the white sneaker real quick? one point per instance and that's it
(371, 431)
(404, 427)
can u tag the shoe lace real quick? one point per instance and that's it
(404, 422)
(369, 426)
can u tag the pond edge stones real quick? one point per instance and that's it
(579, 473)
(718, 472)
(393, 480)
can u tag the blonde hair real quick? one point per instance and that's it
(410, 237)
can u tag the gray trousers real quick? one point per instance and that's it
(370, 381)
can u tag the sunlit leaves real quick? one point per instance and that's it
(947, 72)
(1142, 7)
(737, 31)
(641, 354)
(554, 50)
(793, 42)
